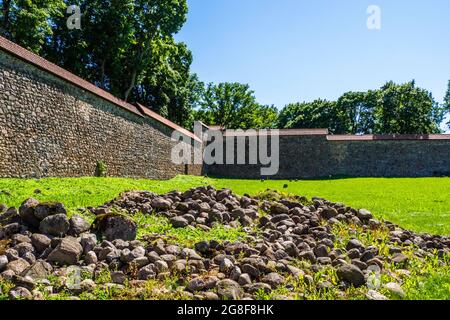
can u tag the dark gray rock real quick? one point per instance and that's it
(67, 252)
(351, 274)
(56, 225)
(78, 225)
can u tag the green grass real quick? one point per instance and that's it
(419, 204)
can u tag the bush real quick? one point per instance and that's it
(101, 169)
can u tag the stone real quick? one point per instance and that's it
(26, 212)
(251, 270)
(399, 259)
(88, 242)
(56, 225)
(228, 289)
(273, 279)
(38, 271)
(90, 258)
(67, 252)
(364, 215)
(351, 274)
(17, 266)
(20, 293)
(78, 225)
(44, 210)
(179, 222)
(3, 262)
(147, 272)
(354, 244)
(278, 208)
(118, 277)
(119, 227)
(24, 282)
(161, 204)
(375, 295)
(395, 289)
(40, 242)
(195, 285)
(226, 266)
(244, 279)
(258, 287)
(296, 272)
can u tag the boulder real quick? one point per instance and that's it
(55, 225)
(78, 225)
(67, 252)
(26, 212)
(351, 274)
(116, 226)
(229, 290)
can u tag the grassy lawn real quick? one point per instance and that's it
(419, 204)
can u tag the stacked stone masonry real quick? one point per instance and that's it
(52, 128)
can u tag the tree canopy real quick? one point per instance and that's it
(394, 108)
(234, 106)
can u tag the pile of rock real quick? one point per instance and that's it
(43, 241)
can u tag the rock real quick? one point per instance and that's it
(251, 270)
(161, 204)
(3, 262)
(179, 222)
(229, 290)
(161, 266)
(90, 258)
(20, 293)
(10, 216)
(375, 295)
(244, 279)
(190, 254)
(118, 227)
(329, 213)
(395, 289)
(278, 208)
(78, 225)
(17, 266)
(354, 244)
(196, 285)
(38, 271)
(118, 277)
(40, 242)
(88, 241)
(260, 286)
(273, 279)
(364, 215)
(26, 212)
(147, 272)
(87, 285)
(67, 252)
(56, 225)
(399, 259)
(24, 282)
(226, 266)
(296, 272)
(44, 210)
(351, 274)
(321, 251)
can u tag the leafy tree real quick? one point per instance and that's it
(394, 108)
(309, 115)
(234, 106)
(29, 23)
(355, 111)
(406, 108)
(446, 105)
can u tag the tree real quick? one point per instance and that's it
(446, 105)
(29, 23)
(393, 109)
(234, 106)
(407, 109)
(309, 115)
(355, 111)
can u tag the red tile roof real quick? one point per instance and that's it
(53, 69)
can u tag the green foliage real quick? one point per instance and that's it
(446, 105)
(234, 106)
(29, 23)
(393, 109)
(101, 169)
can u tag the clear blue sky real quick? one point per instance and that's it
(298, 50)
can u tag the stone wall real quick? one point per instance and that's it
(321, 155)
(52, 128)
